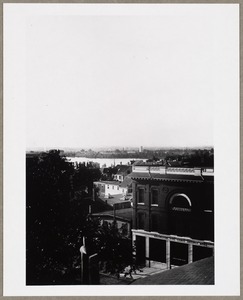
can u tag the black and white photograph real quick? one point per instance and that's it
(121, 124)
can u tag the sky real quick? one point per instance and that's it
(120, 80)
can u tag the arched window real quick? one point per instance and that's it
(180, 202)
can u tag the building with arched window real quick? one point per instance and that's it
(173, 214)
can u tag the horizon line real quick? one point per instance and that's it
(117, 147)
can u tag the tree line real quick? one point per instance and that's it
(180, 157)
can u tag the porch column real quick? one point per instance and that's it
(147, 251)
(133, 243)
(190, 253)
(168, 253)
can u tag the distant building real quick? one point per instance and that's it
(173, 213)
(141, 149)
(127, 184)
(122, 172)
(131, 151)
(111, 188)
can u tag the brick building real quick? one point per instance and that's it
(173, 213)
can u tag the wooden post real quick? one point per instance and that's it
(190, 253)
(133, 238)
(168, 253)
(147, 251)
(134, 254)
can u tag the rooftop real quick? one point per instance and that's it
(108, 182)
(127, 181)
(123, 169)
(125, 213)
(158, 172)
(197, 273)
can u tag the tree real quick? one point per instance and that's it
(84, 177)
(108, 173)
(57, 218)
(113, 246)
(47, 195)
(56, 211)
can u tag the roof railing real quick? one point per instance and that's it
(197, 171)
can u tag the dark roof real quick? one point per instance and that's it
(197, 273)
(127, 181)
(121, 169)
(125, 214)
(138, 163)
(108, 182)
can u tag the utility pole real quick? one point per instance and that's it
(89, 264)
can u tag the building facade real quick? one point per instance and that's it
(173, 213)
(111, 188)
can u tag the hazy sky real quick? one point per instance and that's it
(96, 81)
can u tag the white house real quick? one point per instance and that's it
(110, 188)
